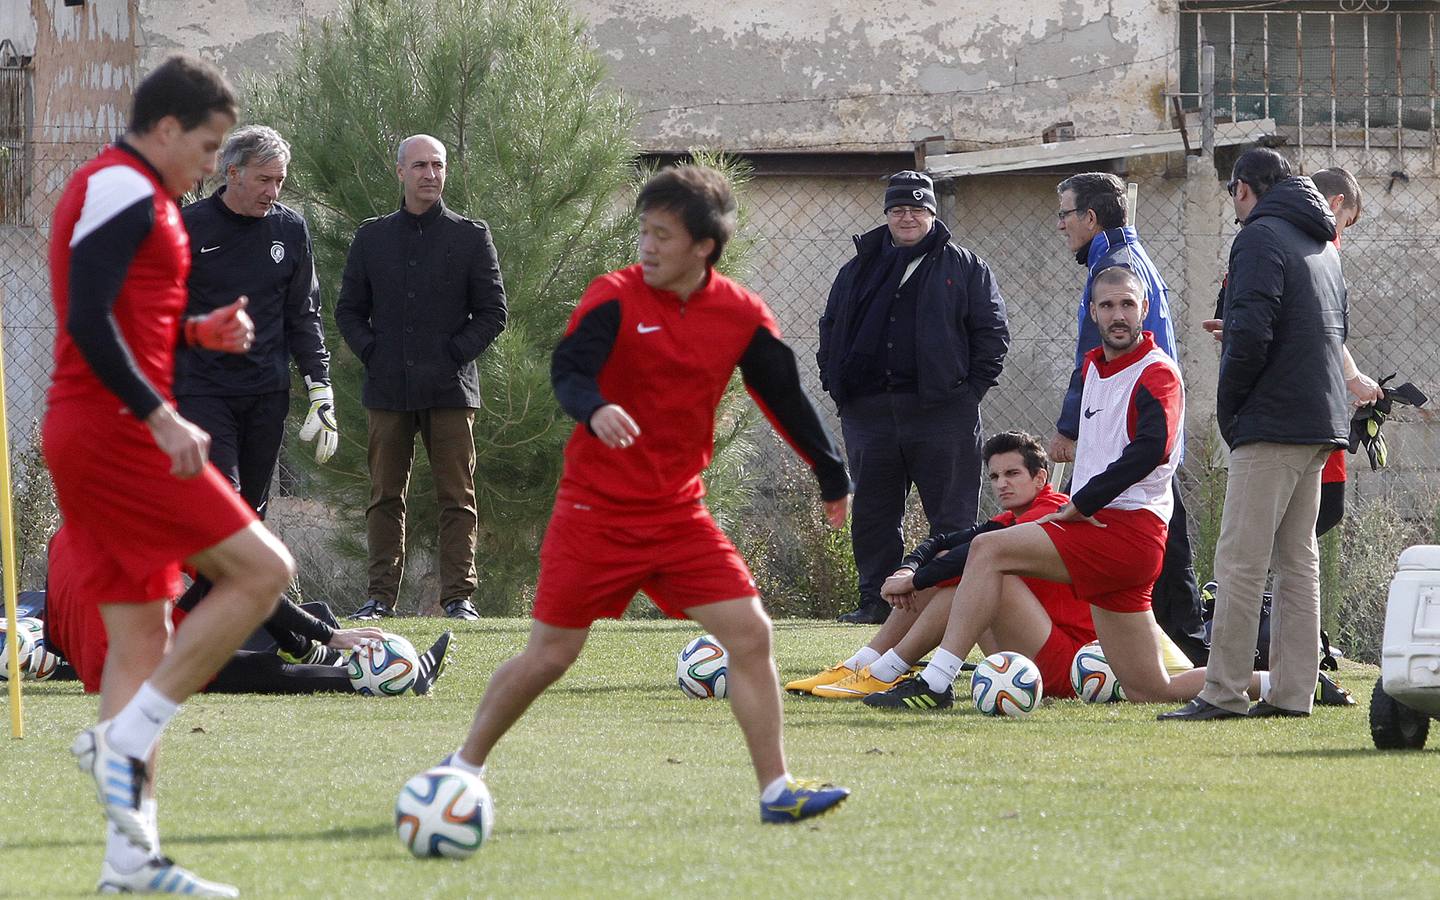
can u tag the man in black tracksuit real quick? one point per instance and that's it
(244, 243)
(420, 300)
(913, 335)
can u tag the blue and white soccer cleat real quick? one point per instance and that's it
(119, 782)
(802, 800)
(160, 875)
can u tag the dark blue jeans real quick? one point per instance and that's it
(893, 442)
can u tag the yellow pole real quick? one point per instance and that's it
(7, 553)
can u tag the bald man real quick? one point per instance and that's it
(420, 300)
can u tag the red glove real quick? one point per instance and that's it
(228, 329)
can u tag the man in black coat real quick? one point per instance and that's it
(1281, 406)
(421, 299)
(913, 335)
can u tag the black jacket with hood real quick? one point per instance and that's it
(1285, 322)
(961, 332)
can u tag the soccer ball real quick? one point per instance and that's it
(700, 669)
(24, 644)
(43, 660)
(1091, 676)
(384, 668)
(444, 812)
(1006, 684)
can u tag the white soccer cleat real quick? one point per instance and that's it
(160, 875)
(119, 783)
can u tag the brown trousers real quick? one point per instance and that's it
(450, 445)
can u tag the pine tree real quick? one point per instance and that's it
(540, 148)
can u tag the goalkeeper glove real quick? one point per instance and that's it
(320, 423)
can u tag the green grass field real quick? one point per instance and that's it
(618, 785)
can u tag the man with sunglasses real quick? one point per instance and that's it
(913, 335)
(1092, 220)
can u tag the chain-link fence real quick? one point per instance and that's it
(804, 225)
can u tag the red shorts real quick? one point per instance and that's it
(1053, 660)
(593, 563)
(1113, 567)
(130, 522)
(1334, 468)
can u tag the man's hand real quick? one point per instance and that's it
(1068, 513)
(1364, 389)
(187, 444)
(228, 329)
(836, 511)
(1216, 327)
(1062, 449)
(350, 638)
(320, 422)
(614, 427)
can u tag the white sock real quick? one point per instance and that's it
(122, 855)
(889, 667)
(151, 811)
(1264, 685)
(136, 729)
(864, 657)
(774, 789)
(457, 761)
(942, 671)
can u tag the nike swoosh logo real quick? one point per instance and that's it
(1091, 412)
(646, 329)
(208, 249)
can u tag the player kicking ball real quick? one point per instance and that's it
(643, 366)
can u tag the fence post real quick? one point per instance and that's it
(1207, 100)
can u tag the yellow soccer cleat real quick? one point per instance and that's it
(828, 676)
(858, 686)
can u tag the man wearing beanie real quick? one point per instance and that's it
(912, 337)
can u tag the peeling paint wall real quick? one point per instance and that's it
(807, 75)
(84, 68)
(869, 76)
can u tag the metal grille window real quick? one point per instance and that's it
(15, 112)
(1348, 73)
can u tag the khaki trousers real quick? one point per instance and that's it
(449, 441)
(1271, 500)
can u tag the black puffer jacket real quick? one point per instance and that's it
(1285, 322)
(961, 334)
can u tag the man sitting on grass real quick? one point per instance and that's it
(1054, 624)
(1107, 541)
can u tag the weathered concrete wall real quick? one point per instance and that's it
(813, 75)
(808, 75)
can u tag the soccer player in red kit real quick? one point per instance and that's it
(642, 368)
(136, 495)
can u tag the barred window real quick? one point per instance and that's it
(1352, 72)
(15, 114)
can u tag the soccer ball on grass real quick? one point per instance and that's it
(701, 667)
(384, 668)
(1091, 676)
(1006, 684)
(445, 812)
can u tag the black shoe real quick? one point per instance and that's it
(866, 614)
(1198, 710)
(460, 608)
(432, 664)
(912, 693)
(372, 610)
(1328, 692)
(1264, 710)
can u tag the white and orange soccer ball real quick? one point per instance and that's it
(1091, 676)
(384, 668)
(701, 669)
(1006, 684)
(445, 812)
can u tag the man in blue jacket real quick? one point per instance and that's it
(1092, 216)
(913, 335)
(1281, 405)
